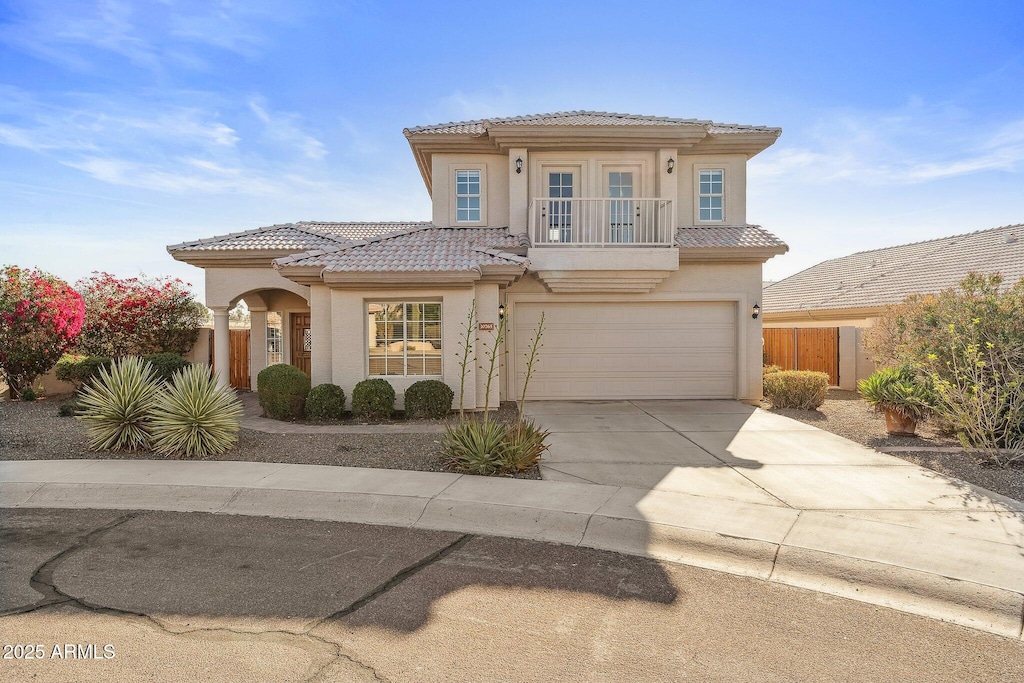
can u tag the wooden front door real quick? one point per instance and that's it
(302, 341)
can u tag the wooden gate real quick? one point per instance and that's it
(239, 355)
(804, 348)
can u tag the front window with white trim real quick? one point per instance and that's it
(467, 196)
(711, 195)
(405, 339)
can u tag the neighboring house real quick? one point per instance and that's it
(628, 232)
(849, 293)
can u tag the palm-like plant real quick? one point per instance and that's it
(194, 416)
(475, 446)
(899, 391)
(116, 406)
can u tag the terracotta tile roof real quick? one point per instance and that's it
(888, 276)
(296, 237)
(422, 249)
(742, 236)
(583, 118)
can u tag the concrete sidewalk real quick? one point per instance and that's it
(962, 564)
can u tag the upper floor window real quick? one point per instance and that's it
(711, 193)
(467, 196)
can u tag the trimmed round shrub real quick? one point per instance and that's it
(28, 394)
(194, 416)
(429, 398)
(325, 402)
(80, 370)
(282, 391)
(373, 399)
(796, 389)
(116, 407)
(166, 364)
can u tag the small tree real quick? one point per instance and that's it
(138, 316)
(40, 318)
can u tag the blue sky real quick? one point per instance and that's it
(127, 126)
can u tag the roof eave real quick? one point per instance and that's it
(732, 254)
(230, 258)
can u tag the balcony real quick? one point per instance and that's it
(597, 245)
(602, 222)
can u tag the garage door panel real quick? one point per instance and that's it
(636, 350)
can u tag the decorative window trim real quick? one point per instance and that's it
(721, 196)
(400, 344)
(454, 203)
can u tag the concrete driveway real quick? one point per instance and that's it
(725, 449)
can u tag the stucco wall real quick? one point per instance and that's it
(225, 286)
(494, 187)
(735, 167)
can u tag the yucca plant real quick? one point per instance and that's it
(475, 446)
(116, 406)
(194, 416)
(524, 446)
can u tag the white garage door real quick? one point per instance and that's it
(629, 350)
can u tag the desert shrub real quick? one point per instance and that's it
(282, 391)
(524, 446)
(474, 446)
(373, 399)
(194, 416)
(138, 316)
(116, 407)
(40, 318)
(796, 389)
(898, 390)
(770, 369)
(28, 394)
(166, 364)
(68, 407)
(429, 398)
(968, 341)
(79, 370)
(325, 402)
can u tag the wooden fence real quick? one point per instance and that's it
(804, 348)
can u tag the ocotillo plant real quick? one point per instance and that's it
(532, 357)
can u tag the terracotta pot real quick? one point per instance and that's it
(899, 425)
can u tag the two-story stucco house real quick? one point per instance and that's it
(629, 232)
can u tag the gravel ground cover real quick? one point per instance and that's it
(845, 413)
(34, 431)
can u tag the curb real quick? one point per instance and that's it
(777, 544)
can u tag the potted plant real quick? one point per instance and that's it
(900, 396)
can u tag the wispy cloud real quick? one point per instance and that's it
(914, 144)
(286, 129)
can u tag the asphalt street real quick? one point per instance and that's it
(92, 595)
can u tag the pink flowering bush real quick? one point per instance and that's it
(40, 318)
(138, 316)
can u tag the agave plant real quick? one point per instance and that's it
(117, 405)
(194, 416)
(524, 445)
(475, 446)
(897, 390)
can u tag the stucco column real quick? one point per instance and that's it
(487, 312)
(320, 328)
(257, 343)
(518, 192)
(668, 183)
(221, 345)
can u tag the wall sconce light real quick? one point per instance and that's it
(519, 165)
(671, 165)
(501, 312)
(755, 311)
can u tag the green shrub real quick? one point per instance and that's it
(771, 369)
(325, 402)
(524, 446)
(166, 364)
(282, 391)
(68, 407)
(79, 370)
(28, 394)
(796, 389)
(897, 390)
(117, 406)
(373, 399)
(194, 416)
(474, 446)
(429, 398)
